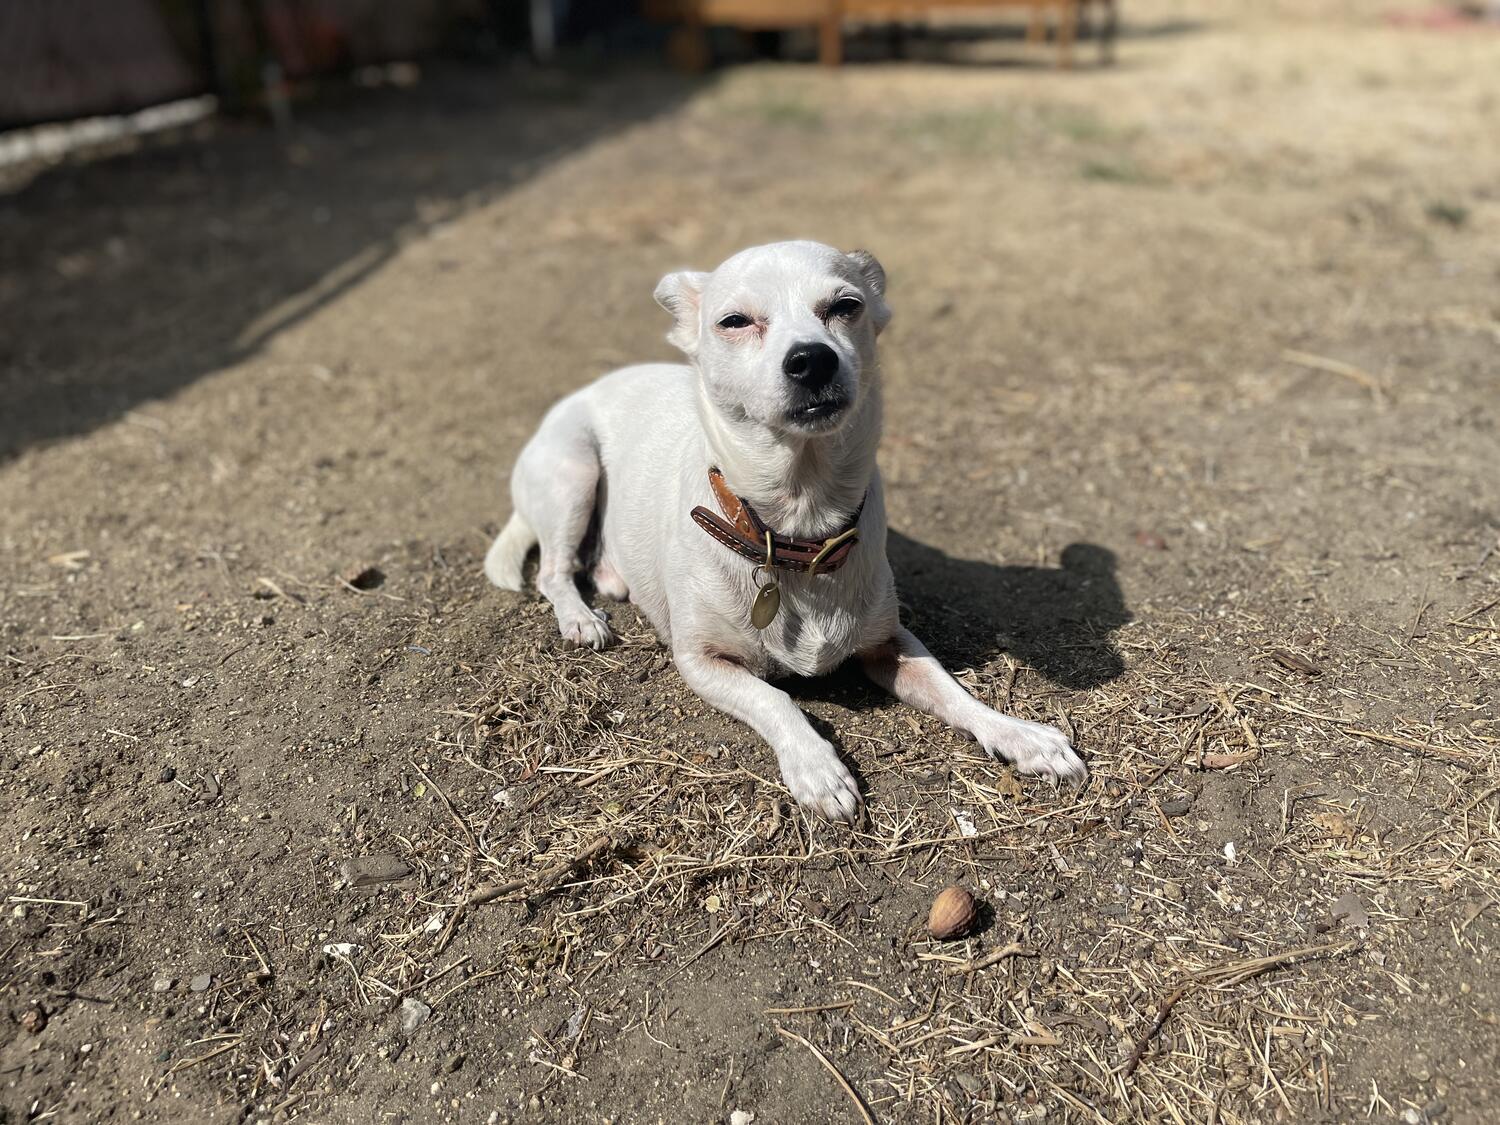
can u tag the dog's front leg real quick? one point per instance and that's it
(904, 667)
(810, 768)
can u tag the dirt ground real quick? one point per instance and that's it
(1191, 447)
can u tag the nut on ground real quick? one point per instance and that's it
(954, 914)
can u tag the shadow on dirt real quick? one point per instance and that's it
(125, 279)
(1058, 621)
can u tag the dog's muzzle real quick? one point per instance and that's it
(813, 369)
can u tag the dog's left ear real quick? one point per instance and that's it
(681, 294)
(872, 273)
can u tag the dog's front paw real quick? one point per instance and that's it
(1033, 748)
(586, 629)
(819, 781)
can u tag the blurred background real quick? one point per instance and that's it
(76, 59)
(239, 161)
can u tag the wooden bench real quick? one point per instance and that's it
(689, 47)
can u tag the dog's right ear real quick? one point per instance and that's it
(681, 294)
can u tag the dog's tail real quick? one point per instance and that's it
(507, 555)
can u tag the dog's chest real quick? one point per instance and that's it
(811, 639)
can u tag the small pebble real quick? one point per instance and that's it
(1177, 806)
(201, 982)
(414, 1014)
(168, 774)
(163, 985)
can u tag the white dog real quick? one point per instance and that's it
(736, 501)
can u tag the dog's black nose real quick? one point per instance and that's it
(812, 365)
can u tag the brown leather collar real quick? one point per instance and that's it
(745, 533)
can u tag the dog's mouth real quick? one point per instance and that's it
(820, 410)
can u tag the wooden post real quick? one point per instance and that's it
(831, 34)
(1067, 28)
(1109, 32)
(687, 45)
(1036, 27)
(543, 31)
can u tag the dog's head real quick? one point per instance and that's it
(783, 335)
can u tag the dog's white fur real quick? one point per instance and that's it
(629, 455)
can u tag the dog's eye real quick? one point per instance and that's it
(735, 320)
(845, 308)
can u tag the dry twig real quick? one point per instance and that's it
(859, 1102)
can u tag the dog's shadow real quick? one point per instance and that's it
(1058, 621)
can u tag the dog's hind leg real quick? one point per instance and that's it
(554, 486)
(608, 582)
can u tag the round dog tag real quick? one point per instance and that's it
(767, 603)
